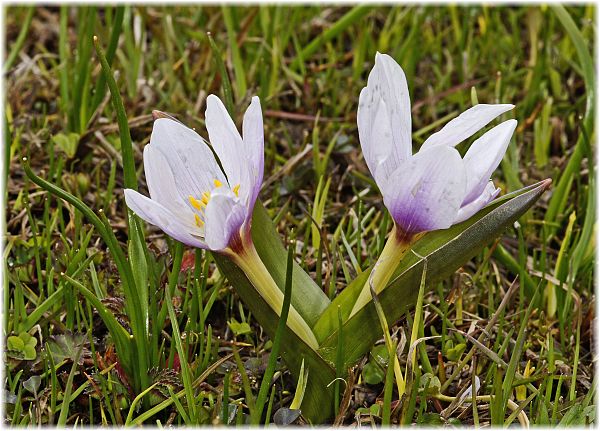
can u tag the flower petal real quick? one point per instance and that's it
(226, 141)
(224, 217)
(254, 145)
(156, 214)
(426, 191)
(161, 182)
(384, 120)
(489, 194)
(484, 156)
(466, 124)
(377, 142)
(192, 162)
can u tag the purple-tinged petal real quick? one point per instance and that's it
(224, 217)
(489, 194)
(426, 191)
(466, 124)
(192, 162)
(254, 144)
(384, 118)
(484, 156)
(226, 141)
(172, 224)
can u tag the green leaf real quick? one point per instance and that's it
(373, 374)
(69, 346)
(139, 267)
(29, 353)
(454, 353)
(380, 355)
(430, 384)
(293, 349)
(28, 339)
(32, 384)
(285, 416)
(430, 419)
(67, 143)
(307, 298)
(15, 343)
(239, 328)
(445, 251)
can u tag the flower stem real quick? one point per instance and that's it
(249, 261)
(394, 250)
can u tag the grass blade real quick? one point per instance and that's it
(558, 201)
(238, 65)
(227, 92)
(20, 39)
(130, 180)
(270, 371)
(100, 88)
(352, 17)
(64, 411)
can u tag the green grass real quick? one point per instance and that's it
(308, 64)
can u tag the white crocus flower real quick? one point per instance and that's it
(191, 199)
(435, 187)
(198, 204)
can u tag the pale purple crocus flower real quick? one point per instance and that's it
(434, 188)
(198, 204)
(191, 198)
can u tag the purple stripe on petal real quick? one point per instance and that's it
(426, 191)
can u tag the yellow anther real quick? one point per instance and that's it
(199, 221)
(236, 190)
(205, 197)
(195, 203)
(217, 183)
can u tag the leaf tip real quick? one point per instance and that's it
(547, 183)
(156, 114)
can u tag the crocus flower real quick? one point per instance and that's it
(435, 187)
(198, 204)
(191, 199)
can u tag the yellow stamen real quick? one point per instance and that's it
(236, 190)
(199, 221)
(195, 203)
(205, 197)
(217, 183)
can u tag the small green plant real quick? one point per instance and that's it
(21, 346)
